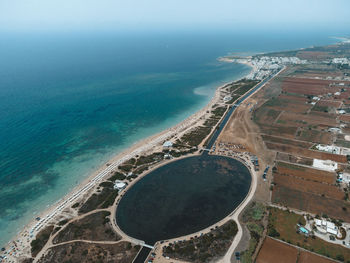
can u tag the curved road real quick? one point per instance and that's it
(234, 216)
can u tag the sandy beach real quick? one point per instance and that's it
(19, 247)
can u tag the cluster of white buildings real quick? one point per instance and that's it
(333, 149)
(326, 227)
(340, 61)
(263, 66)
(281, 60)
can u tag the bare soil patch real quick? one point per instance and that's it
(274, 251)
(313, 203)
(306, 173)
(307, 257)
(321, 189)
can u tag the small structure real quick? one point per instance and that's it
(334, 130)
(343, 178)
(167, 156)
(119, 185)
(167, 144)
(227, 98)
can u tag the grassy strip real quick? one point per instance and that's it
(252, 217)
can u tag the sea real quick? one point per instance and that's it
(71, 101)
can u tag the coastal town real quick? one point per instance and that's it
(287, 122)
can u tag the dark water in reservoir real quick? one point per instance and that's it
(183, 197)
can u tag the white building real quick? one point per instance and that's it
(227, 98)
(344, 178)
(119, 185)
(168, 144)
(328, 148)
(323, 226)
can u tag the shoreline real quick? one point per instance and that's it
(88, 185)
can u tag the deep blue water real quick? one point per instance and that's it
(68, 102)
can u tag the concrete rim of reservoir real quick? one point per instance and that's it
(205, 229)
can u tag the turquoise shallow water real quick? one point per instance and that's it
(70, 102)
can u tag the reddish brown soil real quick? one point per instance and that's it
(307, 173)
(345, 118)
(282, 140)
(307, 257)
(273, 251)
(310, 202)
(329, 103)
(306, 152)
(307, 86)
(321, 189)
(313, 118)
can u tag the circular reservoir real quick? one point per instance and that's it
(183, 197)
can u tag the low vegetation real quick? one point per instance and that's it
(41, 239)
(95, 227)
(252, 218)
(206, 247)
(103, 199)
(121, 252)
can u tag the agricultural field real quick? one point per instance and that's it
(313, 203)
(275, 251)
(282, 140)
(305, 173)
(308, 189)
(297, 111)
(315, 136)
(298, 151)
(307, 186)
(285, 157)
(307, 257)
(282, 225)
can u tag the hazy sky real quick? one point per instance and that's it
(154, 14)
